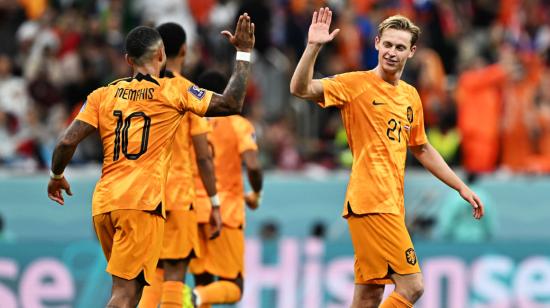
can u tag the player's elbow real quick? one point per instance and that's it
(296, 90)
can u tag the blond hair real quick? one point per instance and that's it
(400, 22)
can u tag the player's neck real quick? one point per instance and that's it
(147, 69)
(391, 78)
(175, 64)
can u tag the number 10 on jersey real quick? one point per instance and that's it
(121, 134)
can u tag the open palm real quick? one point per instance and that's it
(320, 25)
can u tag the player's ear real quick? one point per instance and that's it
(413, 49)
(183, 50)
(129, 60)
(376, 42)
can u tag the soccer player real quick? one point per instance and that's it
(382, 116)
(219, 271)
(137, 119)
(180, 242)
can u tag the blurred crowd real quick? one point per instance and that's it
(481, 68)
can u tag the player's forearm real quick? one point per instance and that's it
(67, 144)
(62, 156)
(303, 74)
(433, 162)
(255, 178)
(232, 99)
(208, 175)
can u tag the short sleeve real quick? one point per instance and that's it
(89, 112)
(198, 125)
(418, 133)
(195, 99)
(246, 134)
(338, 90)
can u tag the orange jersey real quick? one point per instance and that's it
(137, 119)
(180, 187)
(230, 137)
(381, 120)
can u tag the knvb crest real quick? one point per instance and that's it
(411, 256)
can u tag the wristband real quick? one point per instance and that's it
(54, 176)
(215, 200)
(243, 56)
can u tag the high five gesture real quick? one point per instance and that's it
(320, 25)
(243, 40)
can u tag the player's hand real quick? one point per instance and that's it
(252, 200)
(215, 223)
(244, 39)
(477, 206)
(320, 25)
(55, 188)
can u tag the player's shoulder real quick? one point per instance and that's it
(349, 77)
(408, 88)
(239, 121)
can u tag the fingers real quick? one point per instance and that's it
(227, 34)
(329, 17)
(324, 15)
(56, 197)
(252, 28)
(334, 33)
(314, 19)
(239, 24)
(215, 233)
(68, 190)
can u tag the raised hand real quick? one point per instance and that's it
(244, 39)
(320, 25)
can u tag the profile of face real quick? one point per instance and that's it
(394, 48)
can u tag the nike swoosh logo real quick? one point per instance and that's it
(375, 103)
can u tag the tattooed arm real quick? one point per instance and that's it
(231, 101)
(62, 155)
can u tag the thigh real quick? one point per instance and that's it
(136, 244)
(105, 231)
(198, 265)
(382, 246)
(181, 238)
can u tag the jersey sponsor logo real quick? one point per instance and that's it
(410, 116)
(411, 256)
(375, 103)
(196, 91)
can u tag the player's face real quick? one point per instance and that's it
(394, 48)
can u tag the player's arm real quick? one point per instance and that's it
(302, 83)
(434, 163)
(255, 178)
(205, 165)
(64, 150)
(232, 98)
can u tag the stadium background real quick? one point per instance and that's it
(481, 69)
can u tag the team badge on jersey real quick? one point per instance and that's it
(196, 91)
(411, 256)
(410, 116)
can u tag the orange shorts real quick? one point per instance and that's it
(382, 246)
(181, 236)
(223, 256)
(131, 241)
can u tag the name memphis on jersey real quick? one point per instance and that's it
(135, 95)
